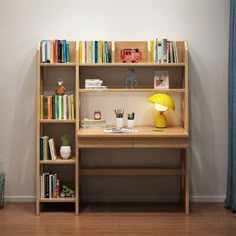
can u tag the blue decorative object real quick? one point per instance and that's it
(131, 79)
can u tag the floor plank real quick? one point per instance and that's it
(206, 219)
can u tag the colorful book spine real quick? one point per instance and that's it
(100, 49)
(41, 107)
(164, 50)
(81, 52)
(43, 51)
(151, 46)
(72, 110)
(68, 52)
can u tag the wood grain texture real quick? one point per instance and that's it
(206, 219)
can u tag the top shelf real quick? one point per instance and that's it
(133, 64)
(115, 64)
(112, 53)
(57, 64)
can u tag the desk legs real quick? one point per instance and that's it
(186, 181)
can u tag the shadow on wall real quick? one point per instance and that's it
(201, 129)
(21, 161)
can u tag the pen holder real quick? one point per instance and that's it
(119, 122)
(130, 124)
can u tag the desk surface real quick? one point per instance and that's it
(146, 137)
(143, 131)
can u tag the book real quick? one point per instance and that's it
(44, 148)
(106, 53)
(52, 149)
(41, 106)
(164, 51)
(49, 104)
(72, 107)
(91, 123)
(43, 51)
(48, 51)
(152, 54)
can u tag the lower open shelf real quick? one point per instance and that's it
(128, 207)
(56, 206)
(66, 199)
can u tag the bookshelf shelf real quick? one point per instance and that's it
(134, 90)
(72, 160)
(134, 64)
(66, 199)
(57, 64)
(56, 121)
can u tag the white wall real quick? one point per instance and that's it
(203, 23)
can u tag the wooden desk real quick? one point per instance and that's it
(146, 137)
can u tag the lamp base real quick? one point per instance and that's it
(161, 121)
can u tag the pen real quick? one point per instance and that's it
(119, 113)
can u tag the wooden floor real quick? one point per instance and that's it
(206, 219)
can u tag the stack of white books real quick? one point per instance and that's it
(91, 123)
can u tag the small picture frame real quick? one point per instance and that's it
(161, 80)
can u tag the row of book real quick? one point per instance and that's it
(94, 52)
(57, 107)
(55, 51)
(47, 148)
(163, 51)
(98, 51)
(49, 185)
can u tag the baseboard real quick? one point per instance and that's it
(19, 199)
(207, 198)
(126, 199)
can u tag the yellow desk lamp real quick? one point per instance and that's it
(162, 103)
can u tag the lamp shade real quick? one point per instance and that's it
(164, 100)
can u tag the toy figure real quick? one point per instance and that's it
(67, 192)
(130, 55)
(131, 79)
(60, 90)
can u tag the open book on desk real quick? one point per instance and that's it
(120, 130)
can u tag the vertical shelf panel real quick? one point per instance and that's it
(47, 81)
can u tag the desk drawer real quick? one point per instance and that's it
(123, 142)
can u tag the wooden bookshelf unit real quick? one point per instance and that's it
(66, 170)
(113, 74)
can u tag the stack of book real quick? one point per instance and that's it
(57, 107)
(94, 52)
(49, 185)
(163, 51)
(55, 51)
(47, 149)
(91, 123)
(94, 84)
